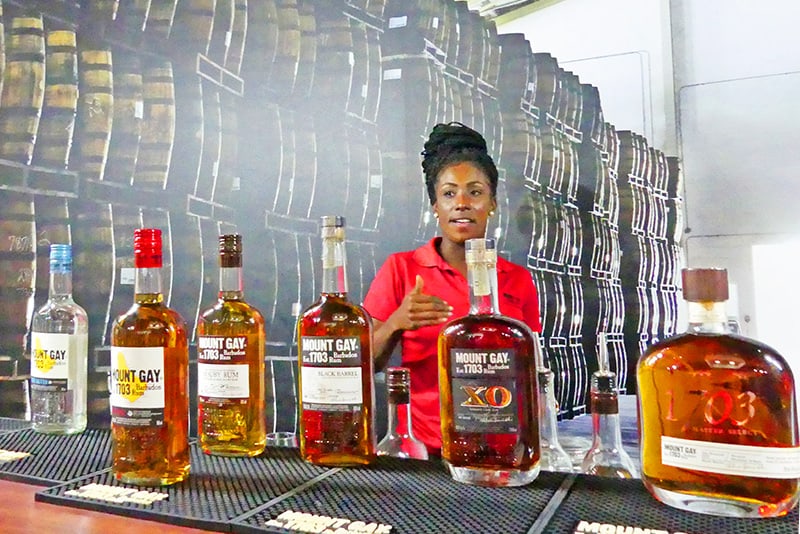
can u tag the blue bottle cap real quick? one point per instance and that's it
(60, 257)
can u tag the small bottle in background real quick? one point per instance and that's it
(554, 457)
(718, 414)
(337, 396)
(59, 349)
(606, 457)
(231, 346)
(399, 440)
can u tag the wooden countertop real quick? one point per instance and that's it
(21, 514)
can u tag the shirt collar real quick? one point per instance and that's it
(428, 256)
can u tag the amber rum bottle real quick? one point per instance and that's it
(149, 379)
(717, 414)
(335, 359)
(230, 365)
(489, 400)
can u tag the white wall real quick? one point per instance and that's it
(620, 46)
(732, 116)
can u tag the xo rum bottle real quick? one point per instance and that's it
(718, 415)
(335, 359)
(230, 365)
(149, 383)
(489, 400)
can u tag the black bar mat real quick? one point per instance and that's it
(8, 424)
(55, 459)
(626, 503)
(413, 497)
(217, 490)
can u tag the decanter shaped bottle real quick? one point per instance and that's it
(554, 457)
(718, 414)
(606, 457)
(399, 440)
(59, 347)
(488, 388)
(149, 381)
(337, 396)
(231, 347)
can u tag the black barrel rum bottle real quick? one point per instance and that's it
(489, 401)
(337, 396)
(149, 383)
(230, 365)
(717, 414)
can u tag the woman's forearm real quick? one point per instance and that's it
(384, 340)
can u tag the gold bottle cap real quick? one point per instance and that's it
(705, 285)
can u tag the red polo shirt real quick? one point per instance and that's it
(518, 299)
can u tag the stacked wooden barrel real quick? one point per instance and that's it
(651, 230)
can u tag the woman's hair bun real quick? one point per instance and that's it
(453, 136)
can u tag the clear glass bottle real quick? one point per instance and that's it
(554, 457)
(606, 457)
(231, 346)
(337, 396)
(399, 440)
(59, 349)
(488, 386)
(149, 379)
(718, 414)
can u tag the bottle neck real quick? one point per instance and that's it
(399, 414)
(483, 297)
(334, 269)
(60, 284)
(231, 286)
(707, 317)
(548, 419)
(605, 420)
(147, 285)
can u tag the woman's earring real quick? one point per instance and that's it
(491, 213)
(436, 215)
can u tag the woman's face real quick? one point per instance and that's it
(463, 202)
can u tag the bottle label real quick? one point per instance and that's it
(54, 362)
(729, 459)
(137, 386)
(222, 370)
(484, 391)
(222, 349)
(223, 381)
(331, 373)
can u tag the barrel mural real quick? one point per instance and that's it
(260, 116)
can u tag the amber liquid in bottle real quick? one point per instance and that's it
(231, 347)
(336, 369)
(149, 379)
(488, 386)
(709, 394)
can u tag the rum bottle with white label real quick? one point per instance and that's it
(149, 382)
(59, 347)
(718, 414)
(489, 401)
(230, 365)
(337, 420)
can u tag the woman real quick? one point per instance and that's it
(414, 293)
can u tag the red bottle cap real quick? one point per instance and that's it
(147, 248)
